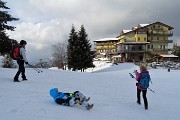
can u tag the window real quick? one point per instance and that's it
(148, 46)
(138, 38)
(151, 46)
(144, 38)
(161, 47)
(164, 47)
(157, 38)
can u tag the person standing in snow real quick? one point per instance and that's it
(21, 62)
(143, 69)
(64, 99)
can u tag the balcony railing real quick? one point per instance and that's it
(170, 41)
(131, 50)
(161, 34)
(160, 41)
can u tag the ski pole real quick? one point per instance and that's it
(151, 90)
(36, 69)
(135, 78)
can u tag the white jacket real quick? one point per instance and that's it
(23, 53)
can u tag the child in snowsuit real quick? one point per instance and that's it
(63, 99)
(143, 69)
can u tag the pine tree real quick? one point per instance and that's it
(72, 50)
(78, 50)
(86, 60)
(5, 42)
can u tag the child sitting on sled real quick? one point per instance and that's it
(70, 99)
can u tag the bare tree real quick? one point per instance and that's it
(59, 54)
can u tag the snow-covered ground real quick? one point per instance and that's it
(112, 91)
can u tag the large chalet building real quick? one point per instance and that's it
(142, 43)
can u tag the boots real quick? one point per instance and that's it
(24, 79)
(90, 106)
(146, 107)
(16, 79)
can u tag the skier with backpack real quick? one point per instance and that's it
(143, 79)
(70, 99)
(19, 54)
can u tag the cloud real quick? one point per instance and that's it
(41, 36)
(44, 22)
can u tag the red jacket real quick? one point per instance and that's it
(138, 78)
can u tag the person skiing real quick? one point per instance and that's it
(66, 100)
(21, 62)
(143, 69)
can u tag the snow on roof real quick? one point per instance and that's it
(106, 39)
(143, 25)
(117, 56)
(170, 55)
(126, 31)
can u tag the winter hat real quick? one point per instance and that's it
(22, 42)
(53, 92)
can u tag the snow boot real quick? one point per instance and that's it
(24, 79)
(89, 106)
(16, 79)
(138, 102)
(87, 99)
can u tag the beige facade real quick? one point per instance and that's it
(105, 46)
(141, 43)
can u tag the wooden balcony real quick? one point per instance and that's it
(161, 34)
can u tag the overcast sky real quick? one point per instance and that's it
(46, 22)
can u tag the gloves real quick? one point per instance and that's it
(135, 71)
(26, 63)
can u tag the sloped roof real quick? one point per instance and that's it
(144, 26)
(170, 28)
(106, 39)
(126, 31)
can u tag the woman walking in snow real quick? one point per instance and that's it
(143, 70)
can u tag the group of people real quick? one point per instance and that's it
(71, 99)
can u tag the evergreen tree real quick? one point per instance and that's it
(5, 42)
(78, 50)
(7, 62)
(72, 50)
(176, 50)
(86, 60)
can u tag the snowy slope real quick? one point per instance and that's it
(112, 91)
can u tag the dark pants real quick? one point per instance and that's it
(20, 70)
(63, 101)
(144, 96)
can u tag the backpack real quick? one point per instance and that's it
(15, 53)
(144, 81)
